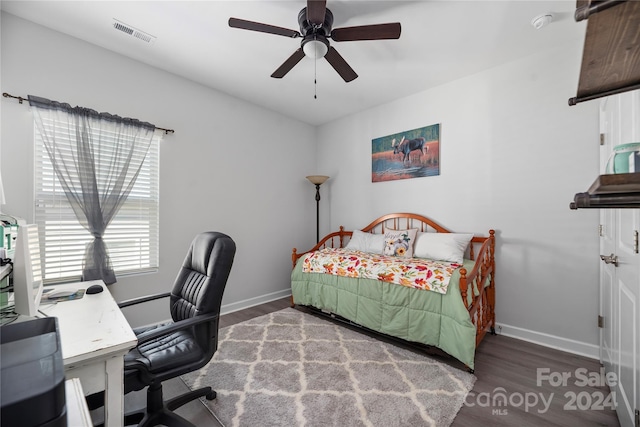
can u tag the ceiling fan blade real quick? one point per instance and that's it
(367, 32)
(316, 10)
(288, 64)
(340, 65)
(263, 28)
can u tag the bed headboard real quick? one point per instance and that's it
(403, 221)
(393, 221)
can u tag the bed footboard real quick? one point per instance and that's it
(482, 280)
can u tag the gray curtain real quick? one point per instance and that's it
(97, 158)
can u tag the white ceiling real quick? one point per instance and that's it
(441, 41)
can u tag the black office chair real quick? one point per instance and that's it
(189, 342)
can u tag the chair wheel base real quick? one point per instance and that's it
(211, 396)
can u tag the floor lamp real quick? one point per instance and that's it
(317, 180)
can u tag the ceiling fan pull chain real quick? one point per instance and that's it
(315, 79)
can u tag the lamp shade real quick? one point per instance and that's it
(317, 179)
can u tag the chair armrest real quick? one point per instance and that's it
(174, 327)
(139, 300)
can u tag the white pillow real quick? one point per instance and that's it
(366, 242)
(442, 246)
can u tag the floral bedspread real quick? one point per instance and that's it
(411, 272)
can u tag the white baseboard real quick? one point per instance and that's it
(241, 305)
(251, 302)
(547, 340)
(559, 343)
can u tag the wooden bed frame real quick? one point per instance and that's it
(482, 307)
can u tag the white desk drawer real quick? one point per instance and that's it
(91, 376)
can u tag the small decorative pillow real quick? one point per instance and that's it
(399, 242)
(442, 246)
(366, 242)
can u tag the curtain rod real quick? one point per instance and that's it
(21, 99)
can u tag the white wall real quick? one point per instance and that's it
(231, 166)
(513, 154)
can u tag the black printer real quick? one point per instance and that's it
(32, 375)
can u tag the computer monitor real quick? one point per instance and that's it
(27, 271)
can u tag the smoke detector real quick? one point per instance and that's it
(542, 21)
(133, 32)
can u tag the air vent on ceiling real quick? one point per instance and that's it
(128, 29)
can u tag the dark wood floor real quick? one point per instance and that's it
(528, 372)
(504, 366)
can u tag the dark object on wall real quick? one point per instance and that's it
(611, 55)
(32, 374)
(611, 191)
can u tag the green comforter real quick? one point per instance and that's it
(411, 314)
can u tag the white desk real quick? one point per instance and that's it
(95, 336)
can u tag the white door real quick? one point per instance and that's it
(628, 318)
(620, 277)
(607, 246)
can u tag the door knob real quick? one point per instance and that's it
(611, 259)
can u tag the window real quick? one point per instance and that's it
(132, 236)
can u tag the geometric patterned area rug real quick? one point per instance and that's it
(290, 368)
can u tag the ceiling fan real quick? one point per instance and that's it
(316, 29)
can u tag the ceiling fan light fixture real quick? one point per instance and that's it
(315, 49)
